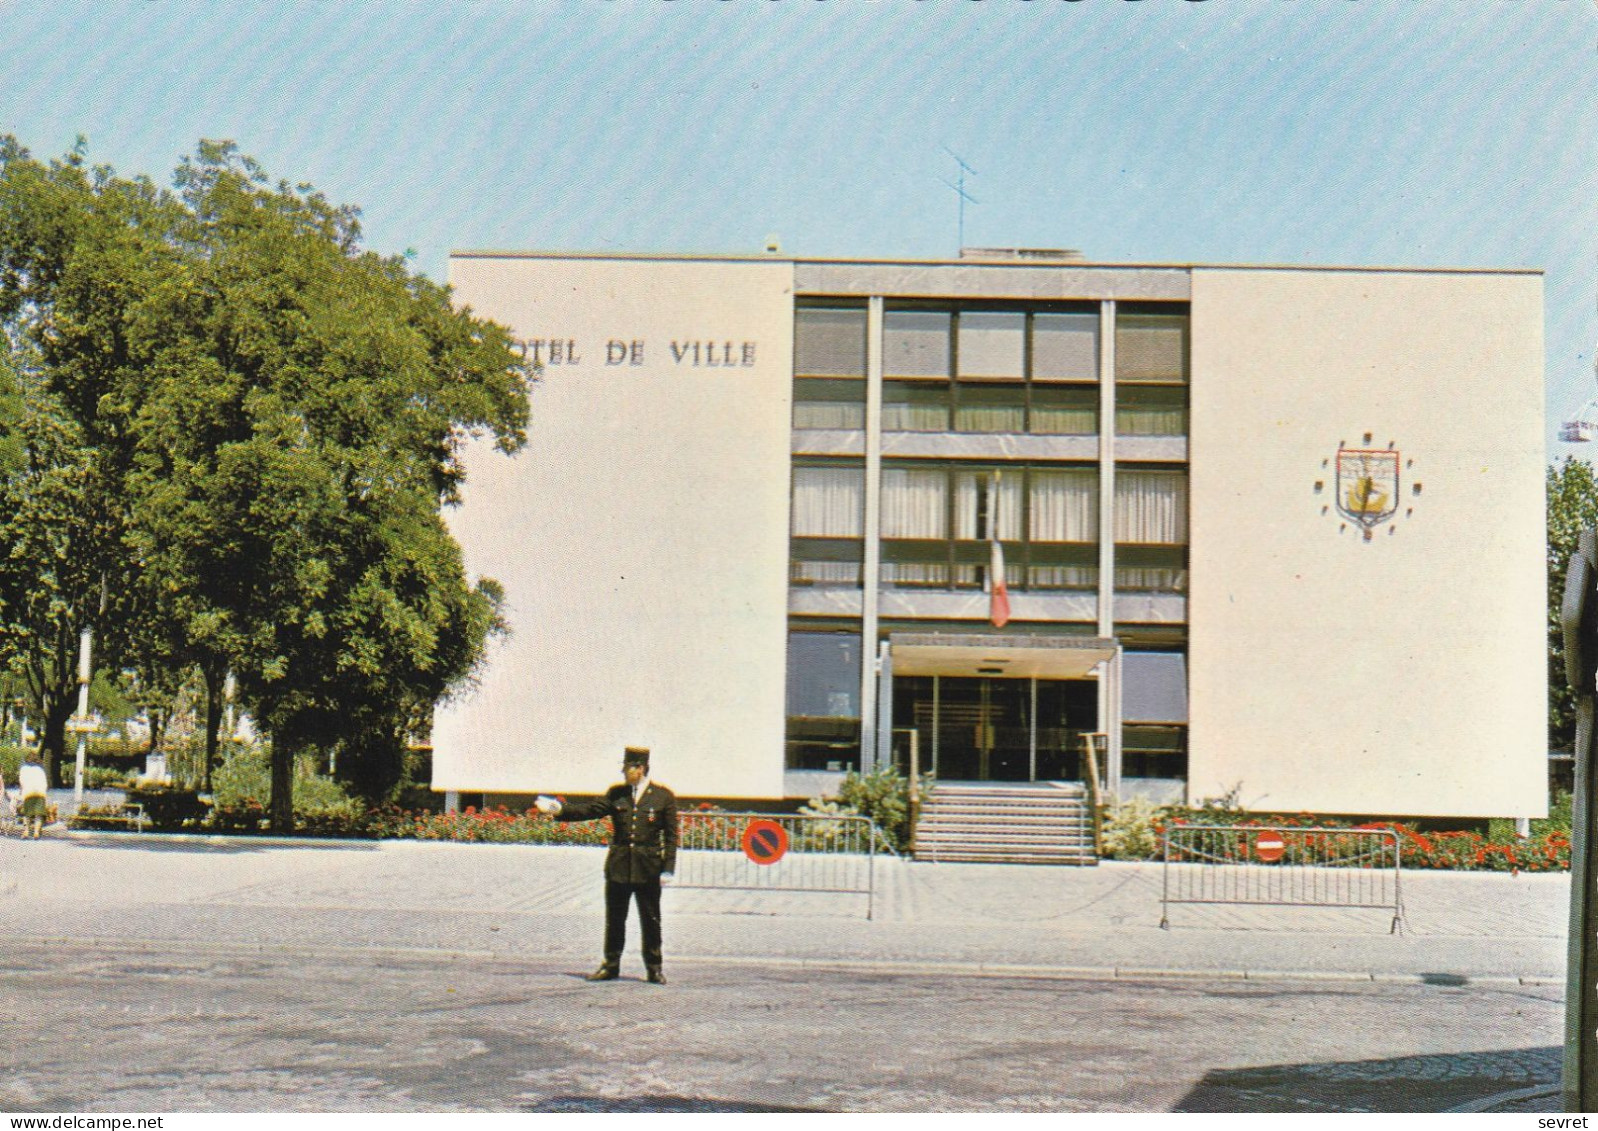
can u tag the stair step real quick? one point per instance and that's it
(1022, 795)
(976, 829)
(1083, 859)
(991, 824)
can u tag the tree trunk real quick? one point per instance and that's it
(282, 812)
(53, 737)
(215, 676)
(157, 718)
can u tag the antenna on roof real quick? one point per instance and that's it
(959, 189)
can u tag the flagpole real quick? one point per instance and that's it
(998, 591)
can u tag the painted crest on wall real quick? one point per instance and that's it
(1367, 486)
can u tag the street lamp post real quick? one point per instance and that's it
(81, 722)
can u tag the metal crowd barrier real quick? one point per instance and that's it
(1244, 864)
(818, 854)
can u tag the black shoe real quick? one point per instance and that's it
(606, 973)
(657, 975)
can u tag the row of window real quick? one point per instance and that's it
(1055, 345)
(937, 521)
(1031, 371)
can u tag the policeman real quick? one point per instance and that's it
(643, 852)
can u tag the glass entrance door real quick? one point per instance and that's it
(988, 729)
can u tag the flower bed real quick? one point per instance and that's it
(496, 825)
(1547, 851)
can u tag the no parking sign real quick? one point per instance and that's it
(765, 842)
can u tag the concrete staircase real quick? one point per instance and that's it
(1007, 823)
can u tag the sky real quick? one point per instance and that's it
(1340, 132)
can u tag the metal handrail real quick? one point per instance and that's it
(1090, 750)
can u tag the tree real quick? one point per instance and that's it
(278, 416)
(57, 536)
(1572, 508)
(79, 251)
(351, 385)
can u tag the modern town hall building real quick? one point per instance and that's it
(1274, 532)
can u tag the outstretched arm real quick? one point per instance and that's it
(573, 810)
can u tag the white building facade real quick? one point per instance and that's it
(1276, 533)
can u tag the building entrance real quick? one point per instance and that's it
(982, 728)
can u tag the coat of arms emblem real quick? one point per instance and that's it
(1367, 486)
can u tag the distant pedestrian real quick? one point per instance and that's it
(643, 852)
(35, 801)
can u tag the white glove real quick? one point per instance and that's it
(665, 878)
(547, 805)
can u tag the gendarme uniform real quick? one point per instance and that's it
(643, 848)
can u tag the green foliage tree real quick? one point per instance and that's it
(1572, 508)
(78, 248)
(57, 538)
(278, 417)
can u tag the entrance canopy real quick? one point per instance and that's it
(1014, 657)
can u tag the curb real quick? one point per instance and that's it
(218, 839)
(931, 967)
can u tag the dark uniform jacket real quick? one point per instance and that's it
(644, 840)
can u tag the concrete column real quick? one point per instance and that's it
(1106, 471)
(871, 568)
(884, 750)
(1109, 690)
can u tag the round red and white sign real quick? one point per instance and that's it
(1269, 846)
(765, 842)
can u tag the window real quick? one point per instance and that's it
(1151, 372)
(1065, 347)
(1150, 347)
(991, 408)
(1151, 531)
(1154, 715)
(829, 342)
(1063, 517)
(829, 368)
(992, 346)
(915, 526)
(1151, 507)
(1151, 411)
(828, 524)
(1065, 410)
(915, 344)
(986, 505)
(915, 367)
(823, 700)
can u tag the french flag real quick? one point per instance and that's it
(998, 592)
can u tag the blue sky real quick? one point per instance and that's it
(1394, 132)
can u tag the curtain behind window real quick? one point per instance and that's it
(1065, 506)
(828, 502)
(1151, 507)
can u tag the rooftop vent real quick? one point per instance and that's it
(1022, 254)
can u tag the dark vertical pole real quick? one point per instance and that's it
(1579, 622)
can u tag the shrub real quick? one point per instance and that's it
(241, 788)
(884, 796)
(1131, 830)
(169, 809)
(106, 777)
(828, 830)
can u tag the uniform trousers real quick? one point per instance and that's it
(617, 898)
